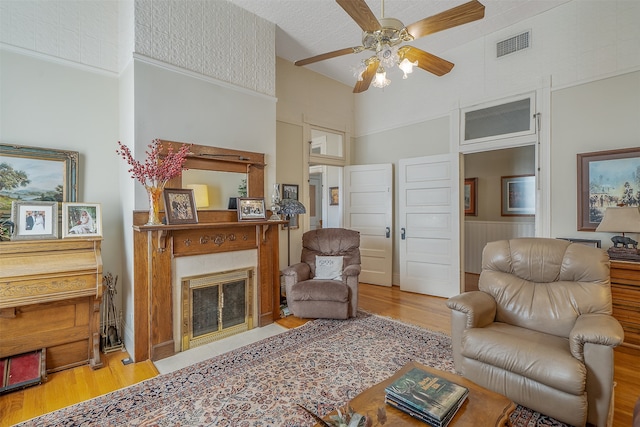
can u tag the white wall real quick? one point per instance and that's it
(49, 105)
(596, 116)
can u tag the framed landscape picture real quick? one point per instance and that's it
(606, 179)
(81, 220)
(34, 220)
(36, 174)
(518, 195)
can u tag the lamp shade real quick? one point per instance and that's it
(625, 219)
(291, 207)
(200, 194)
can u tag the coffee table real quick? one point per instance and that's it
(482, 408)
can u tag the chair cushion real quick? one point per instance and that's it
(320, 290)
(328, 267)
(540, 357)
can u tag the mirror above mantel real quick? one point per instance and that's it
(222, 170)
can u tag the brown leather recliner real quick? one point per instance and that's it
(311, 295)
(540, 329)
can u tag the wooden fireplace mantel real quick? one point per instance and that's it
(216, 232)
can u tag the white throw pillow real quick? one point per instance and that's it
(328, 267)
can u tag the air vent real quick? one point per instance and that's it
(513, 44)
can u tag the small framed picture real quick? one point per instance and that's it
(180, 206)
(470, 196)
(34, 220)
(519, 195)
(251, 209)
(334, 196)
(81, 220)
(290, 191)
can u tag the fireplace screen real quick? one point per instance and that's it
(215, 306)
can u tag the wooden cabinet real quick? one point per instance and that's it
(50, 295)
(625, 291)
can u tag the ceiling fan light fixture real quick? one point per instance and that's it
(388, 55)
(380, 80)
(359, 70)
(407, 67)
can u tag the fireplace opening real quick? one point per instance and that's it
(215, 306)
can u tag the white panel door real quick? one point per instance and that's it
(368, 199)
(429, 225)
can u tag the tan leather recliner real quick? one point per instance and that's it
(540, 330)
(311, 296)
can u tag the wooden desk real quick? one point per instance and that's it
(482, 408)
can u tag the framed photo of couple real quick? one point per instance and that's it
(34, 220)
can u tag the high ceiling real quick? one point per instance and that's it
(307, 28)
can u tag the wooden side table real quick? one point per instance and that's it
(625, 292)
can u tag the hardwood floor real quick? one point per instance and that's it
(75, 385)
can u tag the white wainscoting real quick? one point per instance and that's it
(478, 233)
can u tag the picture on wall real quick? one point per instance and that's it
(518, 195)
(34, 220)
(334, 196)
(36, 174)
(290, 191)
(606, 179)
(470, 196)
(81, 220)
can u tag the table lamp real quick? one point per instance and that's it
(623, 219)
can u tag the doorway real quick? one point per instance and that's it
(490, 219)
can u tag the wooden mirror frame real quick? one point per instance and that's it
(204, 157)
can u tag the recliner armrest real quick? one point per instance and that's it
(352, 270)
(479, 308)
(594, 328)
(297, 273)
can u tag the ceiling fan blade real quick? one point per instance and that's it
(463, 14)
(427, 61)
(328, 55)
(360, 12)
(367, 77)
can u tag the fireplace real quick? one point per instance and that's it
(215, 306)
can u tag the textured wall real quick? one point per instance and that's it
(211, 37)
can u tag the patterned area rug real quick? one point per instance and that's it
(320, 365)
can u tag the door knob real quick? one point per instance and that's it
(388, 232)
(402, 233)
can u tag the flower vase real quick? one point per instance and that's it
(154, 205)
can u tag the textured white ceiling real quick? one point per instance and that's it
(310, 27)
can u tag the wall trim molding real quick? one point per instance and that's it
(57, 60)
(596, 79)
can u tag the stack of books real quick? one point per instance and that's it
(426, 396)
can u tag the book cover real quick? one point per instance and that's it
(425, 417)
(427, 393)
